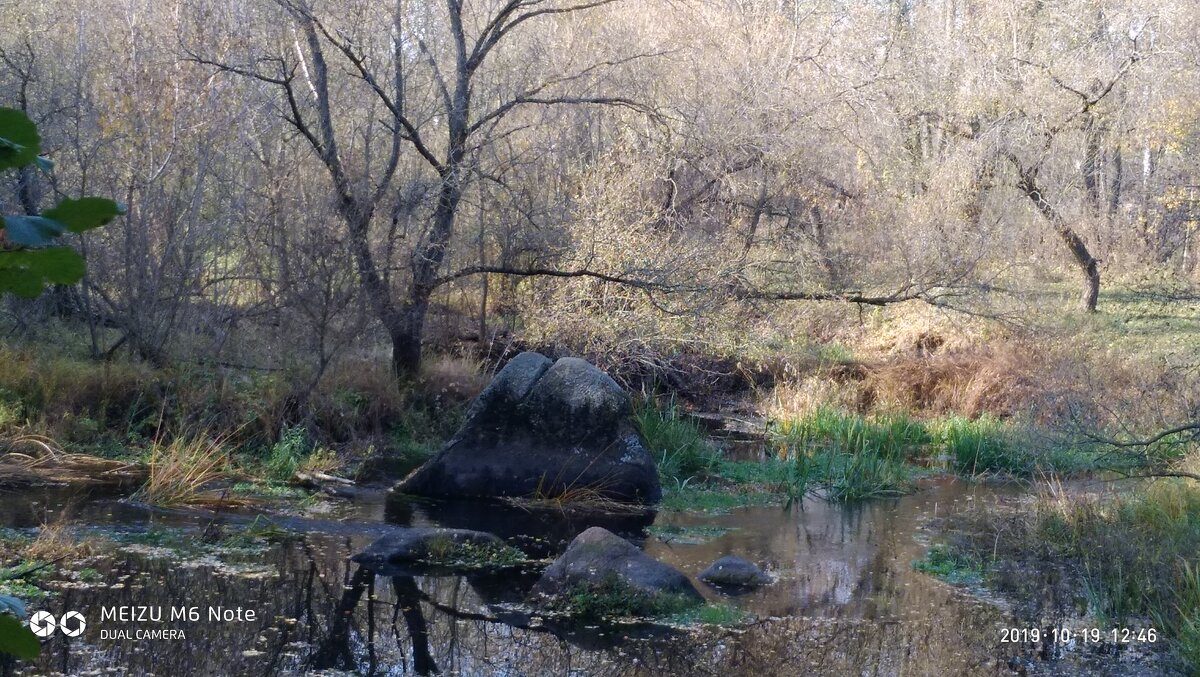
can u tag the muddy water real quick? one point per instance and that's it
(846, 600)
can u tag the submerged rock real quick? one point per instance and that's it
(409, 550)
(734, 572)
(544, 429)
(610, 576)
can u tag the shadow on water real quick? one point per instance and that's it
(845, 600)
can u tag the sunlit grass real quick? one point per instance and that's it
(894, 436)
(1131, 556)
(181, 470)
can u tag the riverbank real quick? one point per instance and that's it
(850, 425)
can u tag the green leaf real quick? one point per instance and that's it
(12, 605)
(18, 640)
(26, 272)
(31, 231)
(85, 213)
(19, 140)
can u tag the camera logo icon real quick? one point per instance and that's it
(72, 624)
(43, 624)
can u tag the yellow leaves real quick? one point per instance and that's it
(1173, 123)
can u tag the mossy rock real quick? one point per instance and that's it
(603, 575)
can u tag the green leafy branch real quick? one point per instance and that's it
(30, 256)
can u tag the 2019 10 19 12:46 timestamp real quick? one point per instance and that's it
(1066, 635)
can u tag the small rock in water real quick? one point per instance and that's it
(598, 559)
(734, 572)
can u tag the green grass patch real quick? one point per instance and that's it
(848, 444)
(950, 565)
(449, 552)
(21, 580)
(269, 490)
(715, 501)
(288, 454)
(718, 614)
(679, 445)
(255, 535)
(857, 477)
(983, 445)
(891, 436)
(613, 599)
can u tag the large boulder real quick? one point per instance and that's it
(544, 429)
(615, 578)
(734, 572)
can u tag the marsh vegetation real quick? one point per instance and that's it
(855, 261)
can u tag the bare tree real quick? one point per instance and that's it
(461, 127)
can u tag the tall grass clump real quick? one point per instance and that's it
(893, 436)
(682, 450)
(1184, 618)
(296, 452)
(1131, 558)
(180, 471)
(288, 454)
(852, 457)
(983, 445)
(857, 477)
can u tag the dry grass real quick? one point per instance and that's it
(590, 498)
(1000, 379)
(454, 378)
(56, 540)
(573, 500)
(323, 461)
(182, 470)
(31, 458)
(357, 396)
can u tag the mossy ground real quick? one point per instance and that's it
(612, 599)
(449, 552)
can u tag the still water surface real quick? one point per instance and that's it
(846, 600)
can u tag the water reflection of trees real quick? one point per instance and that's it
(320, 612)
(446, 624)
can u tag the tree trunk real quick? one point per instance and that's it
(409, 330)
(1093, 170)
(1083, 258)
(1114, 195)
(406, 341)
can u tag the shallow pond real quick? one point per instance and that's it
(846, 600)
